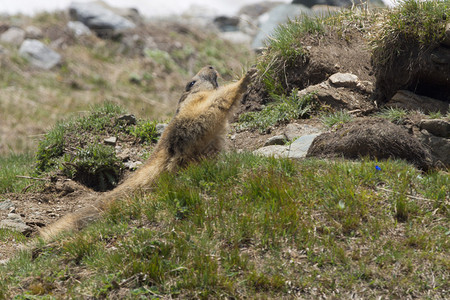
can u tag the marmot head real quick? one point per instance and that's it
(204, 80)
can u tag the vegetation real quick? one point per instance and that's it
(395, 115)
(12, 166)
(339, 117)
(284, 109)
(243, 226)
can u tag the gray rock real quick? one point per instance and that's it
(294, 130)
(6, 205)
(78, 29)
(410, 101)
(437, 127)
(132, 165)
(129, 119)
(33, 32)
(274, 150)
(160, 128)
(236, 37)
(439, 146)
(225, 23)
(15, 222)
(14, 36)
(99, 18)
(110, 141)
(347, 80)
(278, 15)
(446, 40)
(300, 146)
(276, 140)
(39, 55)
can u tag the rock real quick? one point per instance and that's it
(14, 36)
(78, 29)
(33, 32)
(160, 128)
(6, 205)
(276, 140)
(294, 130)
(236, 37)
(446, 40)
(300, 146)
(372, 137)
(98, 18)
(439, 146)
(278, 15)
(257, 9)
(346, 80)
(410, 101)
(129, 119)
(274, 150)
(15, 222)
(437, 127)
(132, 165)
(39, 55)
(225, 23)
(110, 141)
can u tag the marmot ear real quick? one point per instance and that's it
(190, 85)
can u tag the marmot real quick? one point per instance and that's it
(197, 130)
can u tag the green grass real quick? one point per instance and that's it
(284, 109)
(338, 117)
(14, 165)
(244, 226)
(395, 115)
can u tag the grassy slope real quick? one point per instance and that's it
(244, 226)
(95, 70)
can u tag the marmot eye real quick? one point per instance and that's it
(190, 85)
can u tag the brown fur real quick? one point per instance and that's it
(197, 130)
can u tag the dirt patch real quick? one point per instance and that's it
(372, 137)
(326, 55)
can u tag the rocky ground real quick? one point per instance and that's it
(338, 70)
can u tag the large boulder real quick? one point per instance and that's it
(98, 18)
(278, 15)
(13, 36)
(39, 54)
(371, 137)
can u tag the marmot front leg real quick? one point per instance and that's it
(233, 92)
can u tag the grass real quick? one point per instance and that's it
(338, 117)
(14, 165)
(243, 226)
(395, 115)
(284, 109)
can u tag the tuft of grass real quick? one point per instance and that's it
(435, 115)
(145, 131)
(12, 166)
(285, 108)
(241, 225)
(284, 50)
(395, 115)
(338, 117)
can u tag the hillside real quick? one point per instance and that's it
(335, 183)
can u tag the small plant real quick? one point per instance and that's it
(394, 115)
(284, 108)
(145, 131)
(435, 115)
(95, 166)
(339, 117)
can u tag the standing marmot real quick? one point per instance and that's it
(197, 130)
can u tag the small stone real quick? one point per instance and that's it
(15, 222)
(437, 127)
(14, 36)
(33, 32)
(160, 128)
(6, 205)
(276, 140)
(132, 165)
(294, 130)
(78, 29)
(39, 54)
(110, 141)
(129, 119)
(300, 146)
(347, 80)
